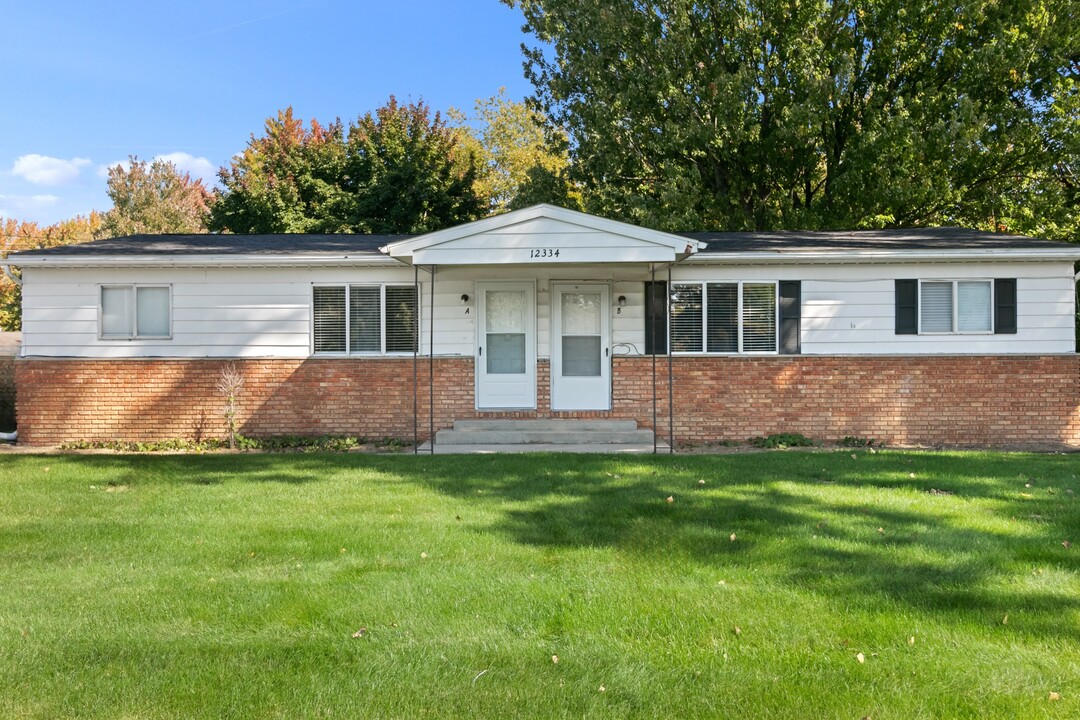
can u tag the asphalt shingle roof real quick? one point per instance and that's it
(718, 243)
(948, 238)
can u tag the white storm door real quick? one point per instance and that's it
(506, 345)
(580, 348)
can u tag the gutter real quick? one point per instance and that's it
(863, 257)
(83, 261)
(12, 277)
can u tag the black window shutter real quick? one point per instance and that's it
(790, 317)
(1005, 306)
(656, 318)
(907, 307)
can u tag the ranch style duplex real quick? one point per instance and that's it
(940, 336)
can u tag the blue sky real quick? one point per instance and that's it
(88, 83)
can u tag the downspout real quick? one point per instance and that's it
(10, 275)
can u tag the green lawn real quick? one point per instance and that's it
(231, 586)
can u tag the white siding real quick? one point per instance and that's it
(235, 312)
(849, 309)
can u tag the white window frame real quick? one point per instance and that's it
(349, 352)
(739, 315)
(134, 329)
(956, 306)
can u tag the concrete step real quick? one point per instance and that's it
(614, 448)
(544, 424)
(513, 435)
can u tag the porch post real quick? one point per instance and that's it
(431, 362)
(415, 368)
(652, 329)
(670, 374)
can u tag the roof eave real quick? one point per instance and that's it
(856, 257)
(194, 260)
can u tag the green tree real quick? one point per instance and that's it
(285, 181)
(397, 170)
(407, 171)
(829, 113)
(518, 149)
(154, 197)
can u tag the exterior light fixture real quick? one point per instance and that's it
(622, 301)
(464, 298)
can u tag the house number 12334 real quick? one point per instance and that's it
(543, 253)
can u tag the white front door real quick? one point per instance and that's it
(506, 345)
(580, 348)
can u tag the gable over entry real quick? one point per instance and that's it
(543, 234)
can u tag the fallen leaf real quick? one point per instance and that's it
(732, 538)
(1005, 620)
(45, 470)
(457, 517)
(342, 551)
(854, 456)
(1027, 485)
(555, 659)
(1066, 544)
(671, 498)
(1068, 491)
(911, 475)
(737, 630)
(700, 482)
(861, 658)
(1054, 696)
(881, 531)
(360, 633)
(911, 640)
(603, 689)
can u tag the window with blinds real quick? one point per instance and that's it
(955, 306)
(737, 317)
(365, 318)
(135, 312)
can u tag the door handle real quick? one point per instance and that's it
(481, 351)
(605, 352)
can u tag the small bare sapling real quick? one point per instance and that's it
(230, 383)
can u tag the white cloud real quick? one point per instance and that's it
(17, 206)
(45, 170)
(198, 167)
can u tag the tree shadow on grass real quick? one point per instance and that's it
(941, 532)
(959, 532)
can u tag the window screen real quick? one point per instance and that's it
(936, 307)
(365, 311)
(759, 317)
(401, 314)
(152, 312)
(329, 306)
(116, 311)
(686, 319)
(723, 317)
(973, 310)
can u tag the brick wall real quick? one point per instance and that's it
(933, 400)
(953, 400)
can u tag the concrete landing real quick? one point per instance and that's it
(612, 448)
